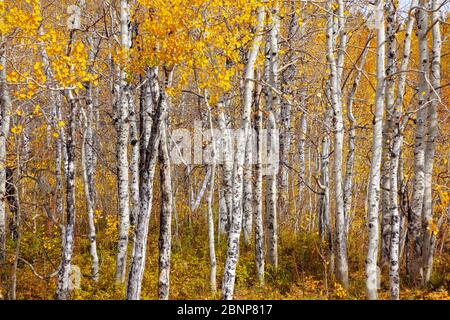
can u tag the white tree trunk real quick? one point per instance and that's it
(348, 180)
(419, 147)
(394, 170)
(88, 166)
(236, 218)
(271, 201)
(395, 154)
(435, 78)
(60, 153)
(147, 172)
(134, 163)
(5, 118)
(247, 205)
(62, 290)
(325, 231)
(287, 77)
(123, 128)
(374, 175)
(259, 227)
(211, 243)
(391, 68)
(165, 236)
(336, 102)
(301, 171)
(227, 183)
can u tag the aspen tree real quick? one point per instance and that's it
(415, 223)
(429, 236)
(229, 276)
(374, 175)
(122, 125)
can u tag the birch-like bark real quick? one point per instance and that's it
(62, 290)
(287, 77)
(165, 227)
(147, 172)
(91, 173)
(336, 102)
(415, 233)
(394, 170)
(146, 106)
(247, 204)
(211, 243)
(296, 34)
(278, 190)
(134, 163)
(140, 129)
(88, 166)
(60, 153)
(123, 128)
(202, 190)
(391, 68)
(271, 201)
(325, 231)
(259, 227)
(348, 180)
(429, 239)
(374, 175)
(272, 101)
(60, 162)
(14, 195)
(222, 219)
(227, 183)
(301, 164)
(5, 118)
(229, 276)
(397, 141)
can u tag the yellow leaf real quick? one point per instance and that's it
(17, 129)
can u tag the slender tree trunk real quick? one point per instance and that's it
(211, 244)
(271, 200)
(13, 196)
(435, 78)
(134, 163)
(272, 100)
(396, 144)
(227, 183)
(419, 147)
(123, 129)
(394, 170)
(62, 290)
(247, 205)
(348, 180)
(147, 172)
(336, 101)
(202, 190)
(301, 170)
(88, 163)
(325, 231)
(5, 118)
(259, 227)
(287, 77)
(374, 175)
(165, 236)
(60, 154)
(236, 218)
(391, 68)
(222, 219)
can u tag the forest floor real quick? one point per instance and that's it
(301, 274)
